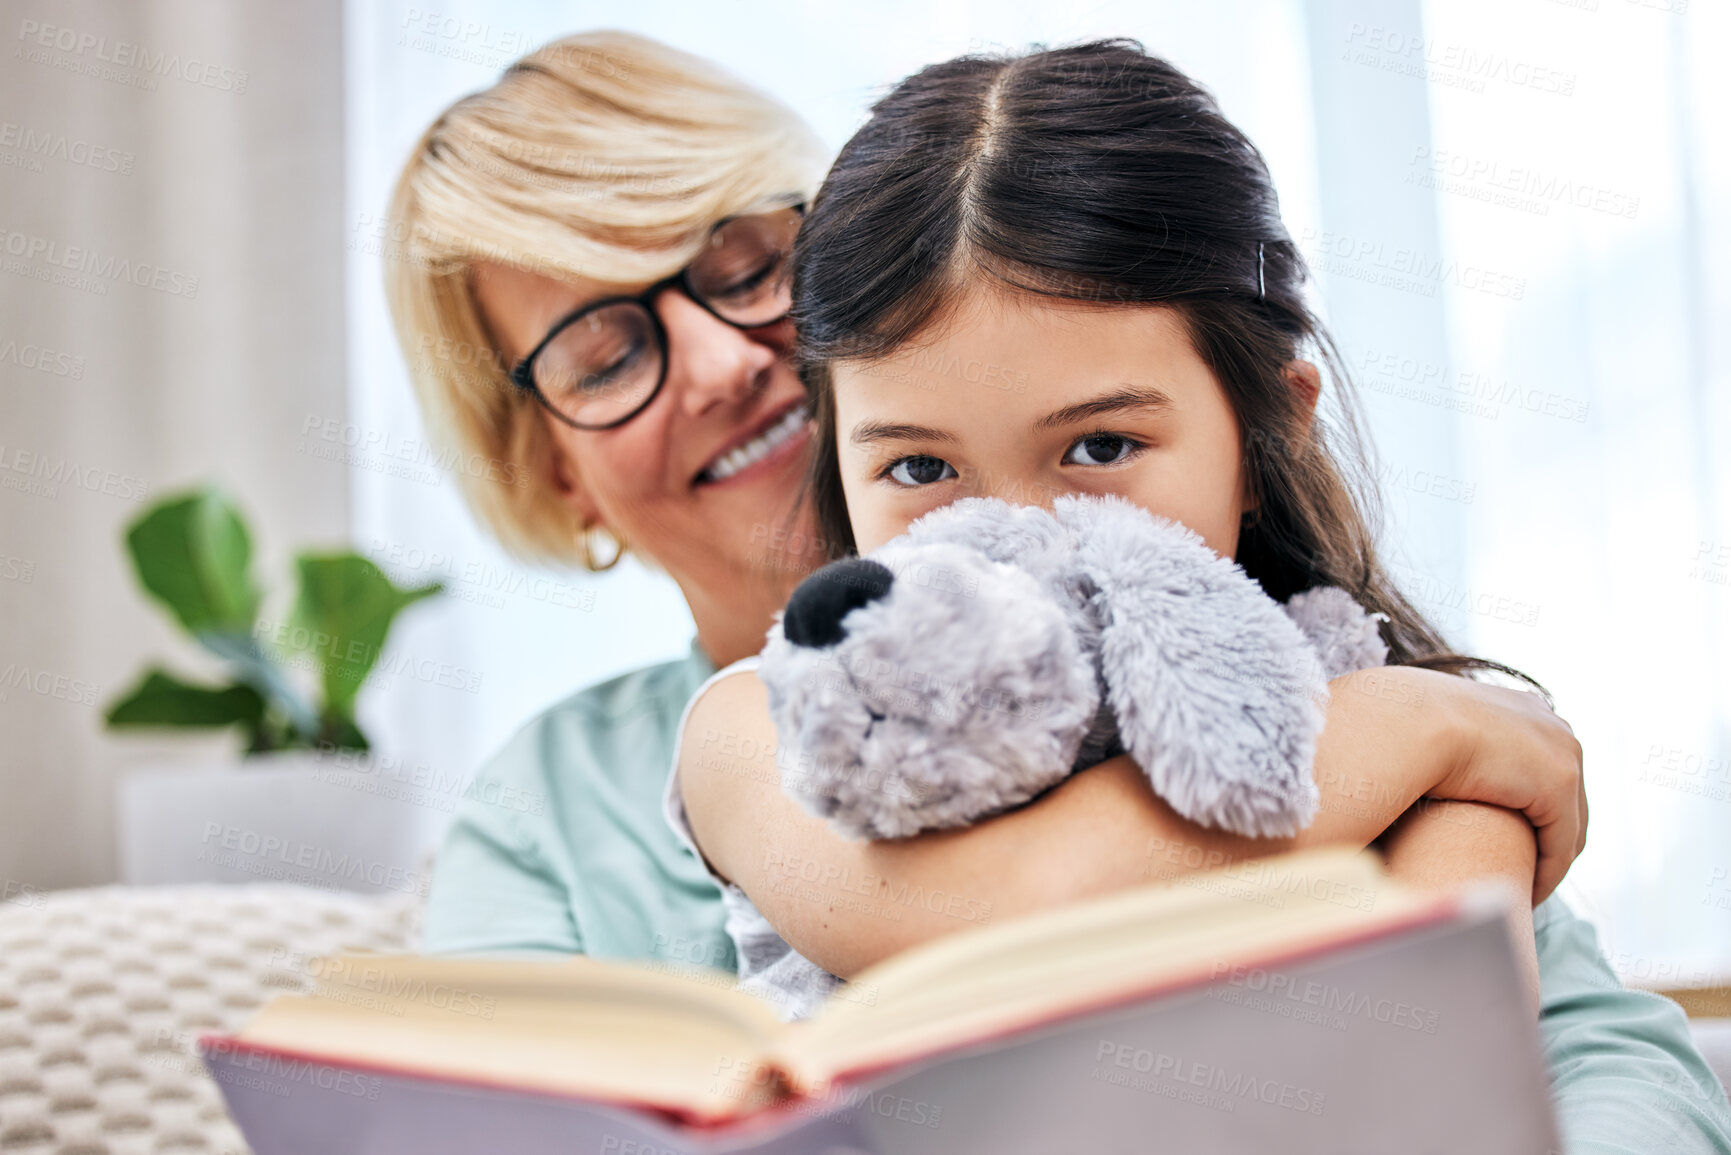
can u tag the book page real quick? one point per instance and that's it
(989, 980)
(685, 1042)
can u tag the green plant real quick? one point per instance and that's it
(191, 552)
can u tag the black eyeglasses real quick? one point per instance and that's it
(602, 365)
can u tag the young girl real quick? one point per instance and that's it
(1066, 273)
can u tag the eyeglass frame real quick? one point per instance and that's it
(523, 373)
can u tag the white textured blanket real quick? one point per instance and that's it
(104, 992)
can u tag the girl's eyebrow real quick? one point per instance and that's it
(1128, 397)
(867, 432)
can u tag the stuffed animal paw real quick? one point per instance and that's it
(992, 650)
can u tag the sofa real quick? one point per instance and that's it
(104, 993)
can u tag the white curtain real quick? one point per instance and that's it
(171, 312)
(1514, 215)
(1593, 166)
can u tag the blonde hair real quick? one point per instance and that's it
(603, 156)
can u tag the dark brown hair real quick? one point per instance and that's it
(1100, 173)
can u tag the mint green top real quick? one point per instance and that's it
(561, 847)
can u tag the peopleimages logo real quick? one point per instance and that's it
(1466, 390)
(336, 975)
(358, 446)
(42, 145)
(1542, 188)
(279, 1070)
(1397, 267)
(513, 42)
(1205, 1084)
(42, 475)
(88, 262)
(223, 843)
(1462, 66)
(41, 359)
(86, 46)
(1327, 997)
(345, 659)
(47, 684)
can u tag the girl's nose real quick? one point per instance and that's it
(1016, 489)
(710, 362)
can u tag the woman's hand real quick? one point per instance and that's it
(1510, 749)
(1398, 733)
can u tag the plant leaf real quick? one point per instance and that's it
(249, 663)
(343, 734)
(343, 612)
(192, 553)
(161, 699)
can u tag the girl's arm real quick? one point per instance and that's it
(1393, 735)
(1441, 844)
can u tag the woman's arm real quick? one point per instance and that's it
(1390, 739)
(1626, 1077)
(494, 888)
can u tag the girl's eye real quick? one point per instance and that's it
(920, 470)
(1101, 449)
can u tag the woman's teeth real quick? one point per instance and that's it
(757, 448)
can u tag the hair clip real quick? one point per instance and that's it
(1261, 286)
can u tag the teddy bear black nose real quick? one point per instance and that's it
(815, 611)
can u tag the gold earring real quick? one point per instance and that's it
(586, 547)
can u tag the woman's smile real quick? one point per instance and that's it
(769, 446)
(716, 454)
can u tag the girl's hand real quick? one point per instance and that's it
(1508, 748)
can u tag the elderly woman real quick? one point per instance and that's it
(611, 223)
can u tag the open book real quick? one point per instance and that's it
(1260, 999)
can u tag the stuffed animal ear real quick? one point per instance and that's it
(1346, 638)
(1218, 695)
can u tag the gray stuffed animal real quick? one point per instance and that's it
(992, 650)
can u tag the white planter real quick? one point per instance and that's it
(297, 817)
